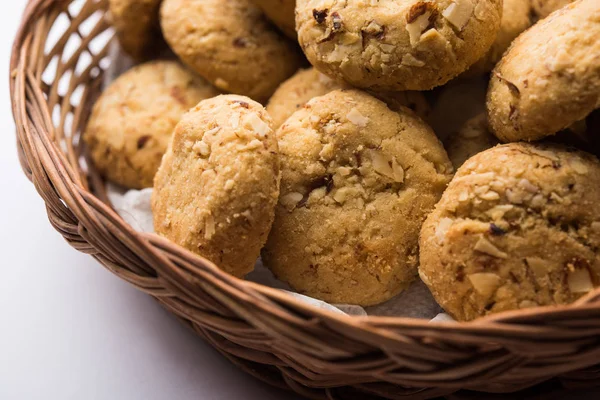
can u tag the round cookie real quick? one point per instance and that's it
(518, 226)
(310, 83)
(357, 182)
(231, 44)
(473, 138)
(543, 8)
(281, 13)
(516, 18)
(550, 77)
(216, 189)
(137, 26)
(133, 120)
(396, 45)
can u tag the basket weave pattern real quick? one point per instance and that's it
(56, 76)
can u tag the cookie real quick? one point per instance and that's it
(516, 18)
(310, 83)
(518, 227)
(396, 45)
(543, 8)
(217, 187)
(137, 26)
(231, 44)
(550, 77)
(455, 103)
(473, 138)
(357, 182)
(281, 13)
(132, 121)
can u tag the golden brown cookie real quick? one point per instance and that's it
(231, 44)
(472, 138)
(543, 8)
(516, 18)
(310, 83)
(396, 45)
(357, 181)
(217, 187)
(550, 77)
(281, 13)
(132, 121)
(137, 26)
(518, 227)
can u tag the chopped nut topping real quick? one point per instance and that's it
(201, 148)
(442, 228)
(540, 267)
(411, 61)
(387, 166)
(253, 122)
(459, 12)
(209, 227)
(229, 184)
(320, 15)
(419, 18)
(485, 246)
(291, 200)
(357, 118)
(578, 166)
(528, 304)
(496, 230)
(485, 283)
(580, 281)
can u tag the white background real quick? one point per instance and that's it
(71, 330)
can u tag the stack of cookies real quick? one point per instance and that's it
(382, 162)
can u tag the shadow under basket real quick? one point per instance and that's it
(58, 61)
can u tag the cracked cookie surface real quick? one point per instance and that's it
(231, 44)
(282, 14)
(518, 227)
(307, 84)
(216, 189)
(357, 182)
(550, 76)
(137, 26)
(132, 121)
(396, 45)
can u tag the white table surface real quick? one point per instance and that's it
(70, 329)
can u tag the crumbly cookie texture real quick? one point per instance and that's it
(518, 227)
(543, 8)
(396, 45)
(516, 18)
(357, 182)
(455, 103)
(473, 138)
(133, 120)
(217, 187)
(281, 13)
(137, 26)
(550, 77)
(307, 84)
(231, 44)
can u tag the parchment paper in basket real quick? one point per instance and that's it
(415, 302)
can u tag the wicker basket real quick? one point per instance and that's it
(55, 77)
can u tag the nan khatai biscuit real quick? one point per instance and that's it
(550, 77)
(396, 45)
(518, 227)
(307, 84)
(357, 182)
(217, 187)
(516, 18)
(137, 26)
(282, 14)
(231, 44)
(133, 120)
(543, 8)
(473, 138)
